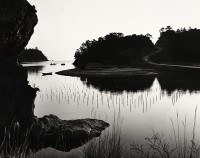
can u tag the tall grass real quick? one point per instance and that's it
(15, 144)
(108, 145)
(158, 146)
(111, 143)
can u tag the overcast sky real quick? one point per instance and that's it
(65, 24)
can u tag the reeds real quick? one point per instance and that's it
(108, 145)
(158, 146)
(15, 144)
(111, 145)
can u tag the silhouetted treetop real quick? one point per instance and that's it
(114, 48)
(182, 45)
(31, 55)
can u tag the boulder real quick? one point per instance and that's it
(64, 135)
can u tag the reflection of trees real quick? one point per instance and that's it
(171, 83)
(34, 69)
(19, 126)
(138, 83)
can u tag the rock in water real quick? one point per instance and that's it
(17, 21)
(65, 134)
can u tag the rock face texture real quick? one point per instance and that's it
(17, 21)
(65, 135)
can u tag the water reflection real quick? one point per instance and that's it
(34, 69)
(138, 83)
(141, 83)
(182, 83)
(22, 130)
(145, 103)
(133, 92)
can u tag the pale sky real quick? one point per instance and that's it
(65, 24)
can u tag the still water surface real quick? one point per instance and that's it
(144, 107)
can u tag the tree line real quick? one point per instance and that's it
(31, 55)
(181, 45)
(114, 48)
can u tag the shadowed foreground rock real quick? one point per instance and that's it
(49, 131)
(19, 128)
(65, 135)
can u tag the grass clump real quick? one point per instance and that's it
(15, 144)
(108, 145)
(111, 145)
(158, 146)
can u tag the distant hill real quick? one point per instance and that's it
(114, 48)
(31, 55)
(182, 45)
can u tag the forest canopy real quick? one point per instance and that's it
(114, 48)
(182, 45)
(32, 55)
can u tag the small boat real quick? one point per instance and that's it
(53, 64)
(63, 64)
(49, 73)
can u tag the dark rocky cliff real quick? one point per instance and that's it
(17, 21)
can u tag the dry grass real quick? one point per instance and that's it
(110, 144)
(15, 144)
(158, 146)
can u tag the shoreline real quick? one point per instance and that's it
(113, 72)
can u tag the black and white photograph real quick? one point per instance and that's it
(99, 79)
